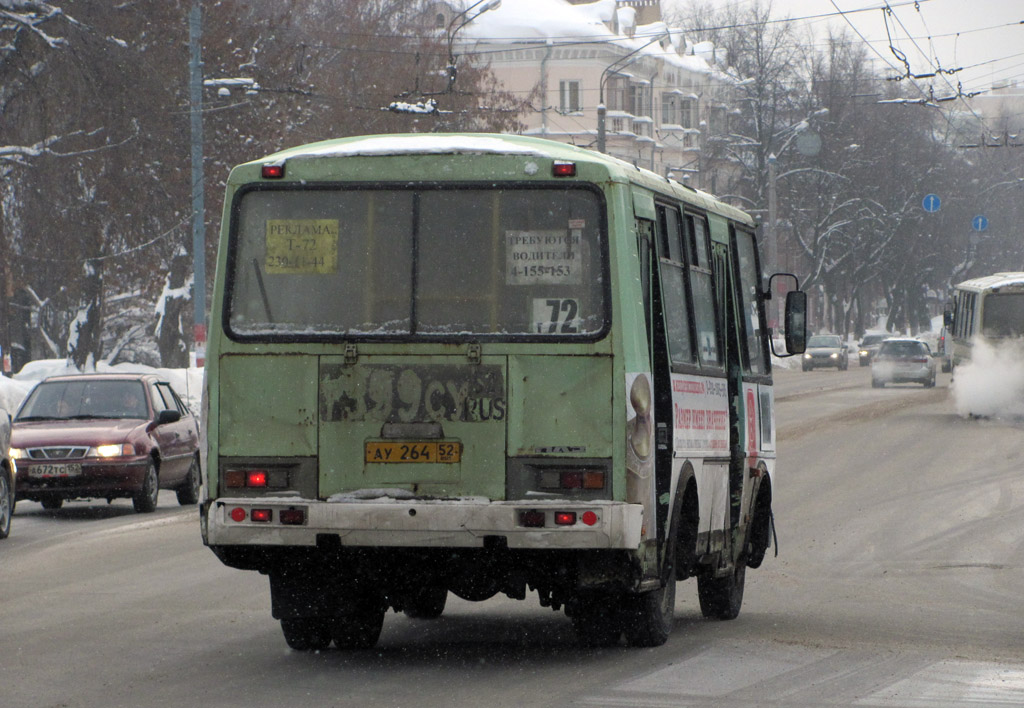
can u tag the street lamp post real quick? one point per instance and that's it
(455, 25)
(621, 62)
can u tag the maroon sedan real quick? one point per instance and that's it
(105, 436)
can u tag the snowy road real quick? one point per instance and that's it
(898, 584)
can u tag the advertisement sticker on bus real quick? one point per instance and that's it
(701, 410)
(302, 246)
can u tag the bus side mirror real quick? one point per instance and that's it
(796, 322)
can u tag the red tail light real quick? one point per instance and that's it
(565, 518)
(563, 169)
(273, 171)
(264, 516)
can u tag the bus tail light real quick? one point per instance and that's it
(292, 517)
(563, 169)
(531, 519)
(565, 518)
(272, 171)
(581, 478)
(257, 478)
(263, 516)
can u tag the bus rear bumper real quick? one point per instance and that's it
(458, 523)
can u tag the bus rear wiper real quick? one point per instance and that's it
(263, 289)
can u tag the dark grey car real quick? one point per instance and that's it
(825, 350)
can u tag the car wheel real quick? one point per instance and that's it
(6, 505)
(51, 503)
(145, 501)
(188, 492)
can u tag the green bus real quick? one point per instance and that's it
(482, 364)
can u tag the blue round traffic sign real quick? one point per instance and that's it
(931, 203)
(979, 223)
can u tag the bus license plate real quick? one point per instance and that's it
(444, 452)
(73, 469)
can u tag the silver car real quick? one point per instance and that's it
(903, 360)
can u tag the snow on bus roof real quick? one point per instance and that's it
(996, 280)
(412, 145)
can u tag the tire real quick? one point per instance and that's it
(360, 629)
(876, 383)
(188, 492)
(6, 505)
(930, 383)
(51, 503)
(145, 500)
(307, 633)
(721, 598)
(805, 367)
(427, 603)
(597, 620)
(650, 616)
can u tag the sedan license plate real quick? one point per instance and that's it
(72, 469)
(444, 452)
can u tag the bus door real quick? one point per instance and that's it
(707, 281)
(755, 431)
(693, 392)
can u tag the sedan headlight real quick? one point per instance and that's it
(807, 355)
(125, 450)
(834, 355)
(16, 453)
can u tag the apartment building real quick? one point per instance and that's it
(669, 103)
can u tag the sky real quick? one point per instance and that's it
(984, 37)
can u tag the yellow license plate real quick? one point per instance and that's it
(444, 452)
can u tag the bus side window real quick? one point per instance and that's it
(673, 287)
(752, 330)
(702, 290)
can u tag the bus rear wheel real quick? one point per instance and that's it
(597, 620)
(426, 603)
(307, 633)
(721, 598)
(650, 616)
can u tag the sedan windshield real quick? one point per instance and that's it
(84, 399)
(820, 342)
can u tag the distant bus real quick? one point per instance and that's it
(989, 309)
(486, 364)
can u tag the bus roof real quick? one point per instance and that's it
(991, 282)
(406, 144)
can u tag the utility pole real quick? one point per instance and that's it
(773, 242)
(195, 67)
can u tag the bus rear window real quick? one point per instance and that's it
(1003, 315)
(439, 262)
